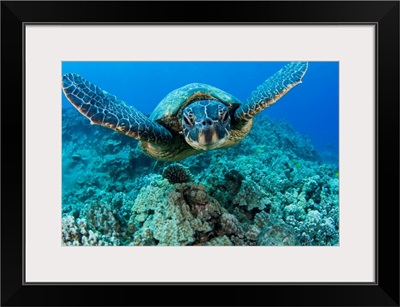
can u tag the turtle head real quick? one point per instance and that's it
(206, 124)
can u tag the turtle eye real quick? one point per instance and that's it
(223, 114)
(186, 121)
(226, 116)
(189, 119)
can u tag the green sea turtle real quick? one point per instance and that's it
(189, 120)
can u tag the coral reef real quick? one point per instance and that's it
(280, 234)
(177, 173)
(273, 189)
(75, 233)
(186, 216)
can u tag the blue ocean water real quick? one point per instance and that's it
(311, 108)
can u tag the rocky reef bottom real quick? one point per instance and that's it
(272, 189)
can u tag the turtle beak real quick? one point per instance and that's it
(208, 135)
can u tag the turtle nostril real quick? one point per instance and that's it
(207, 122)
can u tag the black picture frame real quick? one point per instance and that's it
(383, 14)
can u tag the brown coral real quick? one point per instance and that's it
(279, 234)
(229, 223)
(177, 173)
(233, 180)
(201, 204)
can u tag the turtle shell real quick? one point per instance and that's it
(169, 111)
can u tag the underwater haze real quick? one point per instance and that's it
(278, 187)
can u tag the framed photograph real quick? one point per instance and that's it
(245, 154)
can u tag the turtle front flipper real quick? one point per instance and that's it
(271, 90)
(104, 109)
